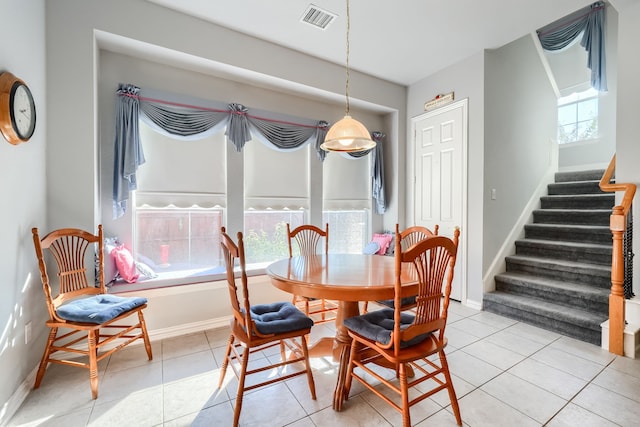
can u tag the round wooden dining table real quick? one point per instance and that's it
(348, 279)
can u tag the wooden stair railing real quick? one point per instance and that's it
(618, 224)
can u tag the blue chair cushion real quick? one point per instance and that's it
(98, 308)
(278, 318)
(378, 325)
(404, 302)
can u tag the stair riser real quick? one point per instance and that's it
(591, 175)
(568, 202)
(554, 324)
(604, 237)
(567, 254)
(587, 187)
(575, 218)
(591, 278)
(599, 304)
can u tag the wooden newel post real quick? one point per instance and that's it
(616, 298)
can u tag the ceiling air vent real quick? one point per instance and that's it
(317, 17)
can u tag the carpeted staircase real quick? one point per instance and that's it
(560, 277)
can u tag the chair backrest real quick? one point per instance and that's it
(69, 248)
(431, 261)
(412, 235)
(230, 253)
(307, 238)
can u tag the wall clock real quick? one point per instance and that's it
(17, 109)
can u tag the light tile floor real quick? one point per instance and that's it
(506, 373)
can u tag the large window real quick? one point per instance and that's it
(276, 192)
(347, 202)
(188, 190)
(179, 240)
(179, 204)
(265, 235)
(578, 117)
(349, 230)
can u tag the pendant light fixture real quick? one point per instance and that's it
(348, 134)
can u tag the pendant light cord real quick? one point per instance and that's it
(346, 86)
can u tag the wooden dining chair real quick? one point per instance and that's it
(408, 237)
(81, 307)
(307, 238)
(258, 327)
(403, 340)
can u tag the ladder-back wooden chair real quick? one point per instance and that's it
(307, 239)
(82, 306)
(402, 339)
(408, 237)
(256, 328)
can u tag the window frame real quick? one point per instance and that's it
(577, 99)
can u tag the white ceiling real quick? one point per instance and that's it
(400, 41)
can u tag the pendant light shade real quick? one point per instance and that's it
(348, 134)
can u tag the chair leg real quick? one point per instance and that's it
(93, 363)
(347, 382)
(283, 353)
(450, 389)
(404, 392)
(145, 335)
(307, 363)
(44, 362)
(243, 374)
(225, 362)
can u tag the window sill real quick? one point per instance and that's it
(176, 279)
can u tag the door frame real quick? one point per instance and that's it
(462, 256)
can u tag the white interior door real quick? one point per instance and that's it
(440, 183)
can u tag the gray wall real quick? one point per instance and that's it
(22, 188)
(520, 125)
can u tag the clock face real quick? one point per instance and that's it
(23, 111)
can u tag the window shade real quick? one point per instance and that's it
(182, 173)
(346, 182)
(275, 179)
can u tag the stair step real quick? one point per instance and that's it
(580, 201)
(570, 233)
(572, 322)
(590, 298)
(570, 271)
(570, 251)
(575, 187)
(586, 175)
(572, 216)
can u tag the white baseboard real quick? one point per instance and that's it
(12, 405)
(190, 328)
(476, 305)
(631, 339)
